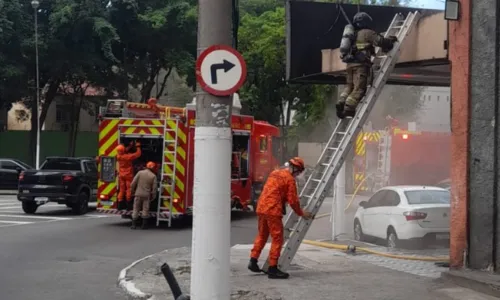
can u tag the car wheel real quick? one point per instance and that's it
(30, 207)
(358, 231)
(392, 238)
(81, 206)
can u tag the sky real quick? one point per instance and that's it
(432, 4)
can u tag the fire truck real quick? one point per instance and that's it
(166, 135)
(397, 156)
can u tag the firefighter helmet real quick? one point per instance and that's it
(120, 149)
(298, 163)
(362, 20)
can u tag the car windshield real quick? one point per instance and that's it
(67, 165)
(428, 197)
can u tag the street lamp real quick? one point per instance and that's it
(35, 4)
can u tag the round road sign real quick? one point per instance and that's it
(220, 70)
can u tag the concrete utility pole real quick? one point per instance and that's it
(338, 205)
(210, 265)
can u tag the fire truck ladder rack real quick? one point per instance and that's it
(340, 142)
(168, 178)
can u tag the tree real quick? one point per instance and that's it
(155, 35)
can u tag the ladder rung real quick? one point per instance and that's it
(316, 180)
(168, 151)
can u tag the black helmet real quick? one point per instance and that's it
(362, 20)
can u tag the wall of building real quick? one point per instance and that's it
(435, 112)
(57, 119)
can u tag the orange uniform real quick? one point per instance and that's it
(126, 173)
(279, 188)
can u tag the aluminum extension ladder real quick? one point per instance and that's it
(168, 177)
(341, 141)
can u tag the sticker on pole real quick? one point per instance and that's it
(220, 70)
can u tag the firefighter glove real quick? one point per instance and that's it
(393, 39)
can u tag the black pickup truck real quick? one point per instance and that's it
(65, 180)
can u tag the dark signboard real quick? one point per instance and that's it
(108, 167)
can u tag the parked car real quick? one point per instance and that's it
(65, 180)
(9, 172)
(404, 213)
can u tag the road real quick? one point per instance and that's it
(55, 255)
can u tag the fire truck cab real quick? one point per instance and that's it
(166, 135)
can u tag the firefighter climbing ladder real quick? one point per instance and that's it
(340, 142)
(168, 168)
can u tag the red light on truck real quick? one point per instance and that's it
(405, 136)
(21, 176)
(176, 200)
(103, 197)
(414, 215)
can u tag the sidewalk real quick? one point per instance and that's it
(316, 273)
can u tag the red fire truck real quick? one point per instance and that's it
(166, 135)
(400, 157)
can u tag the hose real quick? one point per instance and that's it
(443, 259)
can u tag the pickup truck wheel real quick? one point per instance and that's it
(30, 207)
(81, 206)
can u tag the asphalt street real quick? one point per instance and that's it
(55, 255)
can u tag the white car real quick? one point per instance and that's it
(398, 213)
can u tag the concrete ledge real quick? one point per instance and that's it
(483, 282)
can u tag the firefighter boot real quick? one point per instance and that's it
(130, 205)
(134, 224)
(253, 266)
(340, 109)
(349, 111)
(274, 273)
(144, 224)
(122, 205)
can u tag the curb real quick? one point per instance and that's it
(127, 285)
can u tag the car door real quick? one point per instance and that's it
(369, 215)
(91, 175)
(382, 213)
(10, 174)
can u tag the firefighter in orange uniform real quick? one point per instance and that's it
(126, 174)
(279, 188)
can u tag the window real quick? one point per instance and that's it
(377, 199)
(65, 165)
(26, 166)
(391, 198)
(90, 167)
(427, 197)
(62, 113)
(9, 165)
(263, 143)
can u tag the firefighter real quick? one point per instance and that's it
(279, 188)
(143, 188)
(359, 65)
(126, 174)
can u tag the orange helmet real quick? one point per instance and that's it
(150, 165)
(120, 149)
(298, 163)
